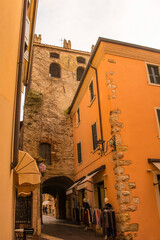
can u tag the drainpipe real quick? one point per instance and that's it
(19, 83)
(99, 108)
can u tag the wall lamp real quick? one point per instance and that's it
(111, 143)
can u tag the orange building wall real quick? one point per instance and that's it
(10, 25)
(136, 99)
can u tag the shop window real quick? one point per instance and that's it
(79, 152)
(154, 74)
(80, 71)
(158, 118)
(23, 211)
(91, 91)
(81, 60)
(55, 70)
(78, 117)
(54, 55)
(94, 136)
(45, 152)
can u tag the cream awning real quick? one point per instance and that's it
(28, 174)
(155, 162)
(157, 165)
(83, 183)
(70, 190)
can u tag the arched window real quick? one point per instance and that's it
(80, 71)
(81, 60)
(55, 70)
(45, 152)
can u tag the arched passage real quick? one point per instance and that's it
(57, 186)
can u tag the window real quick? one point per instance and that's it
(80, 71)
(158, 118)
(45, 152)
(55, 70)
(81, 60)
(79, 152)
(78, 116)
(154, 74)
(54, 55)
(23, 210)
(94, 136)
(91, 91)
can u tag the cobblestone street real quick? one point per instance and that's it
(53, 229)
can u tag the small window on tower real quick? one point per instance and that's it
(81, 60)
(54, 55)
(45, 152)
(55, 70)
(80, 71)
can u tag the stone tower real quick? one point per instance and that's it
(47, 129)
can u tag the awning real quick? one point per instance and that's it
(28, 174)
(26, 190)
(83, 183)
(155, 162)
(70, 190)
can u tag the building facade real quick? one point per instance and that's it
(17, 28)
(47, 128)
(116, 121)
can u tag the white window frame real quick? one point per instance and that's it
(149, 81)
(27, 31)
(158, 121)
(155, 173)
(91, 100)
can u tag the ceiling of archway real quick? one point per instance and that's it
(56, 185)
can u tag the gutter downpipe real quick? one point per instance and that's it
(99, 107)
(19, 84)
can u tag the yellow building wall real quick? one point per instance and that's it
(123, 86)
(10, 27)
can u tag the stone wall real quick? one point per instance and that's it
(126, 199)
(45, 113)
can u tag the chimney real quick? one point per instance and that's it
(37, 38)
(92, 48)
(67, 44)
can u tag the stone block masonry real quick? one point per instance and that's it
(45, 118)
(125, 189)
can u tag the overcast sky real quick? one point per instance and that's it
(83, 21)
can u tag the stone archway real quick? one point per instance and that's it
(57, 186)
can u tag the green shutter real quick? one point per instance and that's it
(79, 152)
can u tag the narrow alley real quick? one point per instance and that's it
(56, 229)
